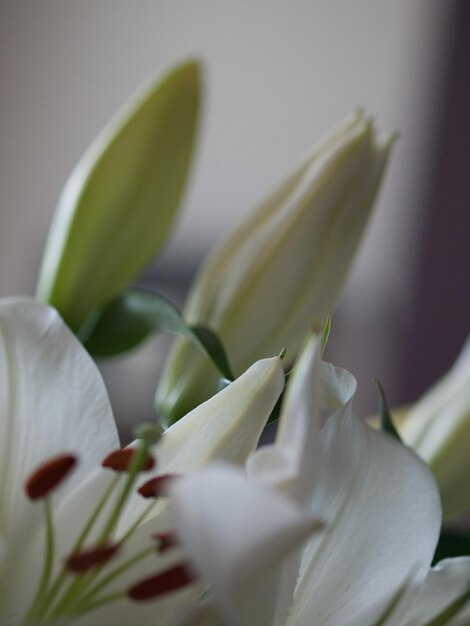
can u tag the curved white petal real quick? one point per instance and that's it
(337, 388)
(200, 615)
(382, 514)
(237, 534)
(292, 463)
(227, 427)
(438, 428)
(445, 583)
(52, 400)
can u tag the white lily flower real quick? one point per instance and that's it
(379, 504)
(75, 539)
(438, 428)
(284, 267)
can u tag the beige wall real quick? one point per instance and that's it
(278, 75)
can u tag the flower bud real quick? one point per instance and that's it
(119, 204)
(284, 267)
(438, 428)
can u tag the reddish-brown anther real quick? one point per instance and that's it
(49, 475)
(120, 460)
(165, 541)
(87, 559)
(156, 487)
(162, 583)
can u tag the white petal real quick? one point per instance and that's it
(227, 426)
(237, 535)
(52, 400)
(201, 615)
(337, 388)
(382, 513)
(292, 463)
(438, 428)
(163, 611)
(444, 584)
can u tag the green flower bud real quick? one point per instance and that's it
(119, 204)
(262, 288)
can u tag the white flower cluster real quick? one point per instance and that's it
(334, 524)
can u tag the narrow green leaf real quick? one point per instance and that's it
(386, 421)
(213, 347)
(451, 544)
(132, 317)
(120, 203)
(276, 412)
(325, 334)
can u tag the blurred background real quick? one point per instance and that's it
(278, 76)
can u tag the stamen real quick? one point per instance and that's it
(156, 487)
(49, 475)
(166, 541)
(162, 583)
(121, 460)
(88, 559)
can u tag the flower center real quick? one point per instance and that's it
(82, 584)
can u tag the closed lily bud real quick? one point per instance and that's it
(438, 428)
(118, 206)
(283, 268)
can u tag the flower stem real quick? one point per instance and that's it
(38, 601)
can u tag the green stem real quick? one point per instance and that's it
(62, 575)
(104, 582)
(47, 567)
(137, 462)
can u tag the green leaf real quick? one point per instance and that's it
(451, 544)
(276, 412)
(132, 317)
(325, 334)
(386, 421)
(211, 344)
(119, 205)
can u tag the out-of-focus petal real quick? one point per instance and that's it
(292, 463)
(382, 514)
(445, 583)
(237, 535)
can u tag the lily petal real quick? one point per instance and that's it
(382, 514)
(53, 400)
(292, 463)
(227, 426)
(237, 533)
(445, 583)
(438, 428)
